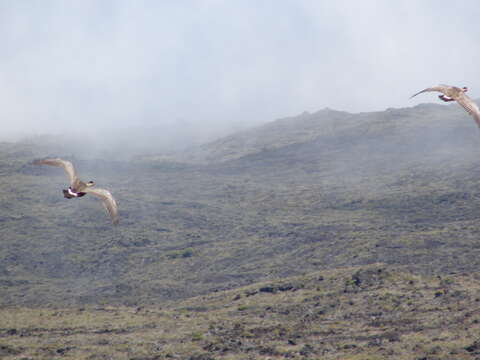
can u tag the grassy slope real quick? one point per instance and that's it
(320, 191)
(370, 312)
(320, 197)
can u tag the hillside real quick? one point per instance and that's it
(371, 312)
(316, 192)
(429, 122)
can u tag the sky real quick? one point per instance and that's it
(221, 65)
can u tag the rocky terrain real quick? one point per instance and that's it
(371, 312)
(220, 249)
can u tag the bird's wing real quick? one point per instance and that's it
(107, 200)
(440, 88)
(66, 165)
(470, 107)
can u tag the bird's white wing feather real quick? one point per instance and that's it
(470, 107)
(107, 200)
(66, 165)
(440, 88)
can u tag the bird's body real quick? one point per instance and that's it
(453, 93)
(79, 188)
(71, 194)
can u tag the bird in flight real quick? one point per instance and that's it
(79, 188)
(453, 93)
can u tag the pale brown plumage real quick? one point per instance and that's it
(453, 93)
(79, 188)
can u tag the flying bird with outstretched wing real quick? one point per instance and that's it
(453, 93)
(79, 188)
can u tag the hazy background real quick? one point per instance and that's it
(188, 71)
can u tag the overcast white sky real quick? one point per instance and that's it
(220, 63)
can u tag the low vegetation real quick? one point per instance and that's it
(372, 312)
(328, 235)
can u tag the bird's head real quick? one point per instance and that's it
(90, 183)
(465, 89)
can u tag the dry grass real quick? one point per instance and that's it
(356, 313)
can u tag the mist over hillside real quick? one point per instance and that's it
(317, 191)
(429, 126)
(125, 143)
